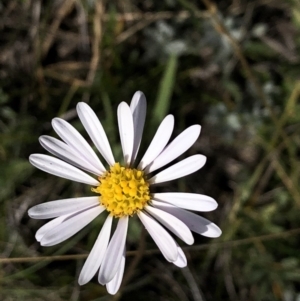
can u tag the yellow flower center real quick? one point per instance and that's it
(123, 191)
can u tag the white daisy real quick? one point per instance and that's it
(122, 190)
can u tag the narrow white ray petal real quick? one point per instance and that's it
(162, 238)
(191, 201)
(113, 254)
(180, 169)
(95, 130)
(71, 226)
(62, 207)
(172, 223)
(114, 285)
(66, 153)
(176, 148)
(61, 169)
(138, 107)
(96, 255)
(126, 131)
(53, 223)
(159, 141)
(73, 138)
(49, 226)
(181, 261)
(195, 222)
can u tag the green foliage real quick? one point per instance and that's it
(164, 94)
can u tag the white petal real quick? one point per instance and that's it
(61, 169)
(172, 223)
(138, 107)
(113, 254)
(159, 141)
(181, 261)
(191, 201)
(162, 238)
(126, 131)
(195, 222)
(73, 138)
(114, 285)
(96, 255)
(49, 226)
(71, 226)
(62, 207)
(177, 147)
(65, 152)
(95, 130)
(180, 169)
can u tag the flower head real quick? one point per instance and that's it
(122, 190)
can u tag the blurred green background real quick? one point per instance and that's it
(232, 66)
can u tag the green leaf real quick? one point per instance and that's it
(165, 91)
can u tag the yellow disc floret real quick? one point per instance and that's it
(123, 191)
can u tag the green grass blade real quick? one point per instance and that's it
(165, 91)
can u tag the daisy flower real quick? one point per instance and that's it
(122, 190)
